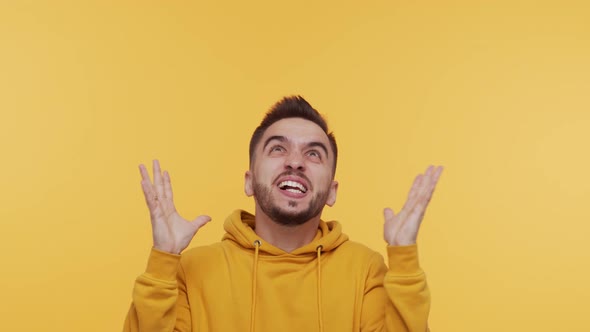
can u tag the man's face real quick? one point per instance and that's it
(291, 174)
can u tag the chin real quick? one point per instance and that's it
(292, 217)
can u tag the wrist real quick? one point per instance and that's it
(401, 243)
(397, 242)
(168, 249)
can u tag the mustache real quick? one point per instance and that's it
(294, 173)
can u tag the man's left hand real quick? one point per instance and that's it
(402, 229)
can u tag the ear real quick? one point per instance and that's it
(248, 185)
(332, 194)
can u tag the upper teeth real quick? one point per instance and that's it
(292, 184)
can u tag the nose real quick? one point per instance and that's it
(295, 161)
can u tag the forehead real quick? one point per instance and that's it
(297, 130)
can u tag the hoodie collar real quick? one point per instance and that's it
(239, 227)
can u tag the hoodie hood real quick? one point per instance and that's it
(239, 227)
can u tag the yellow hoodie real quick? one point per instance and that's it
(245, 284)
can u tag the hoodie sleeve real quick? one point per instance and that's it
(159, 297)
(396, 299)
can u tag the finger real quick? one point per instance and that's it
(427, 191)
(149, 193)
(414, 190)
(434, 180)
(167, 185)
(146, 185)
(420, 191)
(158, 183)
(144, 172)
(437, 174)
(426, 184)
(416, 186)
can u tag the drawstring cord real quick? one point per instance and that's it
(319, 250)
(257, 245)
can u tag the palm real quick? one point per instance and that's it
(171, 232)
(402, 228)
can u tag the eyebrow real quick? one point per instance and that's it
(272, 138)
(284, 139)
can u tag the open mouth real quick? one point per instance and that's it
(293, 186)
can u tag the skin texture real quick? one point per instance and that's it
(402, 229)
(291, 149)
(297, 150)
(171, 233)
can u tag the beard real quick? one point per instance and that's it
(286, 218)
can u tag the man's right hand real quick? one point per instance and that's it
(171, 232)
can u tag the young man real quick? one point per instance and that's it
(282, 269)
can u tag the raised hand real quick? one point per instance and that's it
(171, 233)
(402, 229)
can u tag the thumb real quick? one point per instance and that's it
(389, 225)
(200, 221)
(388, 215)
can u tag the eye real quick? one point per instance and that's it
(276, 148)
(314, 154)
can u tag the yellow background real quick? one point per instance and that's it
(497, 92)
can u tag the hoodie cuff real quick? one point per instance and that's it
(403, 260)
(162, 265)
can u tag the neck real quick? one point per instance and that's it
(287, 238)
